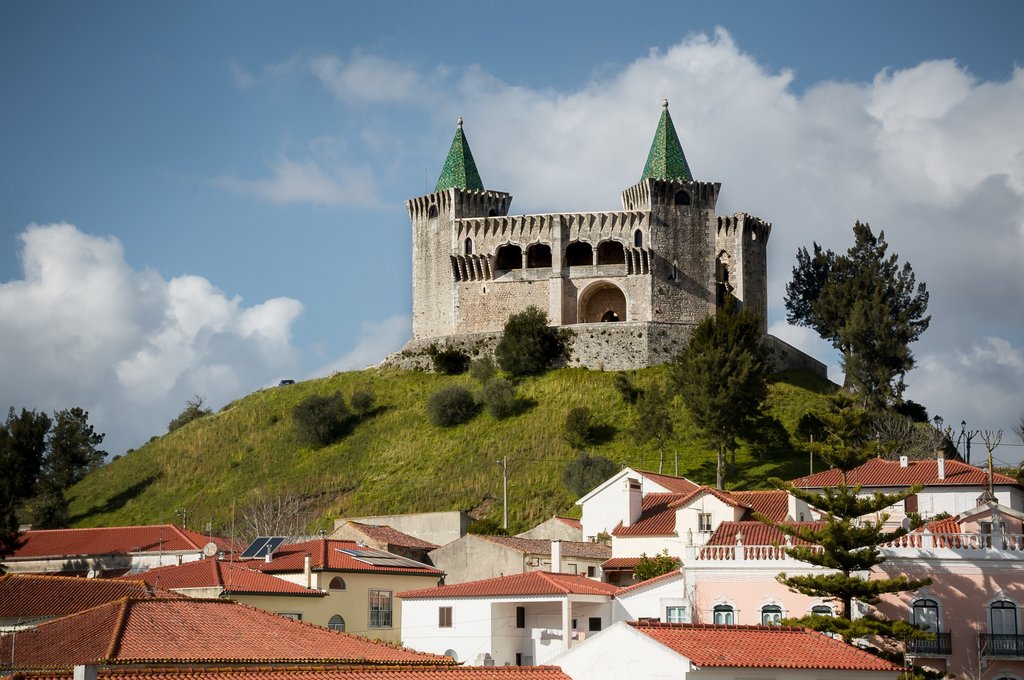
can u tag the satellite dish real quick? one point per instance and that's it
(91, 574)
(210, 549)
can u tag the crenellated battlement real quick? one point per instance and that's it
(459, 203)
(649, 194)
(745, 223)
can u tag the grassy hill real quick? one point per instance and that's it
(397, 461)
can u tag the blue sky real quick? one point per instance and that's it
(206, 197)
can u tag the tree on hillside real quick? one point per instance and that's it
(321, 419)
(579, 428)
(847, 540)
(722, 376)
(528, 345)
(22, 452)
(586, 472)
(868, 306)
(72, 453)
(654, 421)
(194, 409)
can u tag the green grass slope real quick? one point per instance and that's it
(397, 461)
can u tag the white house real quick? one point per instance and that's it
(521, 620)
(616, 499)
(676, 651)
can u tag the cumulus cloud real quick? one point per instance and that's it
(366, 78)
(82, 328)
(376, 340)
(310, 181)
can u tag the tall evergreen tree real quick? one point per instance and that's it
(654, 420)
(22, 450)
(722, 376)
(847, 540)
(72, 453)
(868, 306)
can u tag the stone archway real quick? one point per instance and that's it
(601, 302)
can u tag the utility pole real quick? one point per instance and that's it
(504, 488)
(183, 514)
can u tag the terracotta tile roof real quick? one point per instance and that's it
(530, 583)
(949, 525)
(878, 472)
(620, 563)
(761, 647)
(772, 504)
(673, 484)
(189, 630)
(541, 546)
(755, 533)
(723, 496)
(657, 580)
(112, 540)
(657, 517)
(325, 555)
(37, 596)
(390, 536)
(570, 521)
(430, 672)
(233, 577)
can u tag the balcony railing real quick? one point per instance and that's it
(942, 645)
(1001, 645)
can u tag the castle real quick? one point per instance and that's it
(631, 284)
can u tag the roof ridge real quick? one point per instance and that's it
(115, 639)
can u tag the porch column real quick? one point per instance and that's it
(566, 622)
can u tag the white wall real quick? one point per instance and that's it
(469, 636)
(620, 653)
(603, 510)
(651, 601)
(634, 546)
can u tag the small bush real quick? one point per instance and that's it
(499, 397)
(450, 361)
(362, 402)
(579, 427)
(450, 406)
(320, 420)
(626, 389)
(528, 345)
(193, 409)
(486, 526)
(651, 567)
(483, 369)
(587, 472)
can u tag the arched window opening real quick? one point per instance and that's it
(337, 583)
(926, 615)
(771, 615)
(579, 254)
(337, 623)
(724, 615)
(508, 257)
(722, 285)
(682, 198)
(611, 252)
(538, 255)
(1003, 618)
(609, 315)
(601, 302)
(469, 246)
(638, 239)
(822, 610)
(432, 212)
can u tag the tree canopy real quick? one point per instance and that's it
(722, 377)
(868, 306)
(528, 345)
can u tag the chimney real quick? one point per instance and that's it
(307, 570)
(266, 558)
(942, 466)
(634, 501)
(556, 556)
(87, 672)
(904, 461)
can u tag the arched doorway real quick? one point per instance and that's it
(602, 302)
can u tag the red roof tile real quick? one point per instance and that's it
(673, 484)
(36, 596)
(674, 574)
(530, 583)
(541, 546)
(233, 577)
(772, 504)
(878, 472)
(657, 518)
(390, 536)
(192, 631)
(620, 563)
(431, 672)
(761, 647)
(325, 555)
(570, 521)
(949, 525)
(755, 533)
(112, 540)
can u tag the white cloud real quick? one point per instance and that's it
(311, 181)
(366, 78)
(82, 328)
(376, 340)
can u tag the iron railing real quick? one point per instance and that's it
(1001, 645)
(942, 645)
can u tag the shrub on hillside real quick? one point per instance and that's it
(629, 392)
(362, 402)
(528, 345)
(579, 428)
(450, 361)
(482, 369)
(486, 526)
(320, 420)
(587, 472)
(193, 409)
(499, 397)
(451, 405)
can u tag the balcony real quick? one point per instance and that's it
(1002, 646)
(942, 645)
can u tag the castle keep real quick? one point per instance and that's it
(631, 284)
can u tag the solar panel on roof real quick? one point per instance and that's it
(379, 558)
(261, 547)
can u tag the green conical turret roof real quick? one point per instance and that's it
(666, 159)
(459, 169)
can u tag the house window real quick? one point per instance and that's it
(771, 615)
(337, 623)
(926, 615)
(1003, 618)
(676, 615)
(821, 610)
(380, 609)
(910, 504)
(520, 617)
(724, 614)
(294, 616)
(337, 583)
(469, 246)
(591, 572)
(572, 569)
(704, 522)
(444, 617)
(594, 624)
